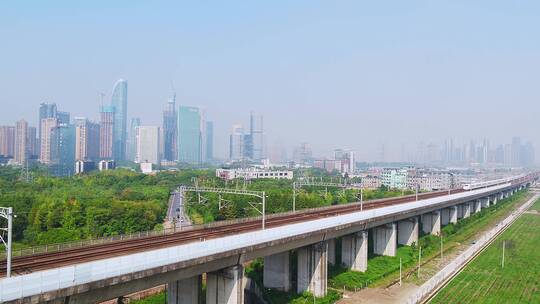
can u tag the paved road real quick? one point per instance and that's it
(176, 213)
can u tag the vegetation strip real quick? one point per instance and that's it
(428, 290)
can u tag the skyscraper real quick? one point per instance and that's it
(63, 150)
(21, 142)
(236, 143)
(190, 135)
(47, 128)
(148, 144)
(256, 132)
(7, 141)
(63, 117)
(33, 143)
(86, 139)
(46, 110)
(119, 103)
(106, 126)
(516, 150)
(170, 130)
(132, 139)
(209, 141)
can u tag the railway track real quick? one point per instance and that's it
(28, 264)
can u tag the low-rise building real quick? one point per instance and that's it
(84, 166)
(394, 178)
(252, 173)
(371, 182)
(106, 165)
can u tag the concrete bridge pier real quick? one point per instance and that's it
(453, 214)
(385, 239)
(186, 291)
(431, 222)
(354, 251)
(485, 202)
(493, 199)
(459, 211)
(467, 209)
(313, 269)
(445, 216)
(276, 271)
(331, 251)
(477, 206)
(408, 231)
(501, 195)
(225, 286)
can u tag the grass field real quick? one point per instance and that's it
(485, 281)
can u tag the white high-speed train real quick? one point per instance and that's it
(485, 184)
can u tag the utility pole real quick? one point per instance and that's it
(7, 213)
(361, 198)
(504, 245)
(294, 197)
(441, 246)
(399, 271)
(419, 257)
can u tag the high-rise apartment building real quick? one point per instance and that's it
(170, 130)
(119, 103)
(47, 128)
(236, 143)
(132, 139)
(33, 143)
(7, 141)
(21, 142)
(46, 110)
(148, 144)
(209, 141)
(191, 125)
(86, 139)
(106, 126)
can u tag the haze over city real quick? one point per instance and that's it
(352, 74)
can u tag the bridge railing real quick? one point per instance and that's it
(35, 250)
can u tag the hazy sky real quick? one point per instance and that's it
(351, 74)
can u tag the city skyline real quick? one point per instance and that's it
(405, 84)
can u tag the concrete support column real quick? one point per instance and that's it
(477, 206)
(459, 211)
(494, 199)
(445, 216)
(385, 239)
(225, 286)
(431, 222)
(331, 251)
(485, 202)
(453, 214)
(312, 269)
(408, 231)
(186, 291)
(501, 195)
(354, 251)
(467, 209)
(276, 271)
